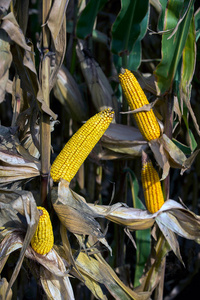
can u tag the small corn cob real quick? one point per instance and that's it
(43, 239)
(146, 120)
(151, 186)
(80, 145)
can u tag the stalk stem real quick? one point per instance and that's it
(45, 132)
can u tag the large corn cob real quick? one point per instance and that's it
(80, 145)
(146, 120)
(151, 186)
(43, 239)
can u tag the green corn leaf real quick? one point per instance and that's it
(197, 24)
(178, 17)
(127, 26)
(86, 21)
(163, 4)
(135, 56)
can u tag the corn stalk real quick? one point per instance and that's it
(45, 137)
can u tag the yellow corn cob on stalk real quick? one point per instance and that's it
(146, 120)
(80, 145)
(151, 186)
(43, 239)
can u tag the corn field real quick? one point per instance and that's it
(99, 149)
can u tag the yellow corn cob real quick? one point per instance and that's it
(151, 186)
(80, 145)
(43, 239)
(146, 121)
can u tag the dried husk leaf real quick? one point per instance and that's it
(153, 270)
(131, 293)
(10, 25)
(101, 91)
(4, 7)
(171, 239)
(98, 270)
(28, 206)
(74, 213)
(67, 92)
(3, 289)
(5, 62)
(15, 167)
(56, 287)
(132, 218)
(65, 251)
(182, 221)
(56, 23)
(124, 139)
(167, 155)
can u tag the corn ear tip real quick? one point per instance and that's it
(122, 70)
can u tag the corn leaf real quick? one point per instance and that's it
(135, 56)
(143, 237)
(5, 62)
(98, 269)
(3, 288)
(197, 24)
(87, 18)
(67, 92)
(127, 26)
(178, 17)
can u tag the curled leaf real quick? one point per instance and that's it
(101, 91)
(74, 213)
(124, 139)
(67, 92)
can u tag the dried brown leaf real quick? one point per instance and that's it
(67, 92)
(5, 62)
(10, 25)
(101, 91)
(3, 289)
(74, 213)
(124, 139)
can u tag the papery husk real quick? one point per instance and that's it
(74, 213)
(124, 139)
(24, 203)
(167, 155)
(155, 265)
(101, 91)
(55, 287)
(102, 271)
(3, 289)
(5, 62)
(67, 92)
(16, 163)
(15, 167)
(56, 23)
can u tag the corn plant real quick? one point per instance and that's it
(99, 149)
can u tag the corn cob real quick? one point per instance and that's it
(146, 121)
(80, 145)
(151, 186)
(43, 239)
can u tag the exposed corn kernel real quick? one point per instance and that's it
(43, 239)
(151, 186)
(146, 120)
(80, 145)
